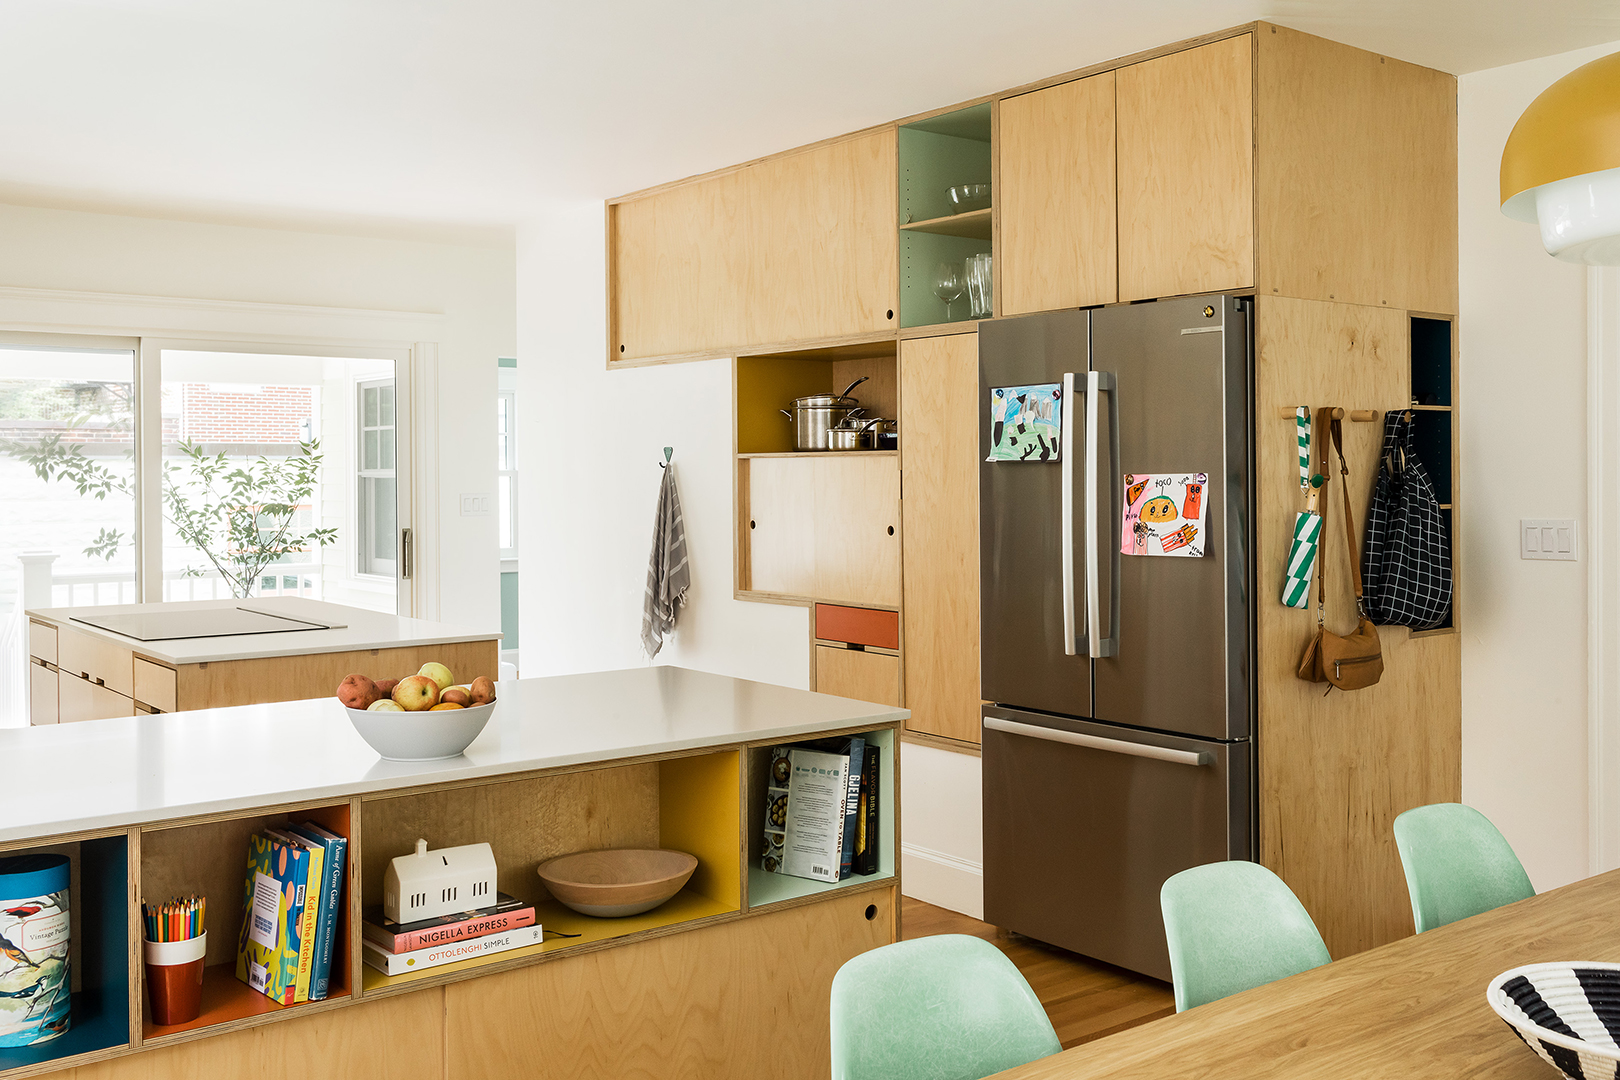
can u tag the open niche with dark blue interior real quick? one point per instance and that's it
(98, 955)
(1433, 419)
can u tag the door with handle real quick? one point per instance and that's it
(1033, 647)
(1083, 823)
(1179, 404)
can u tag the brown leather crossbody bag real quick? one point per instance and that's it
(1357, 660)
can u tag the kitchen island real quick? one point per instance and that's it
(729, 978)
(179, 656)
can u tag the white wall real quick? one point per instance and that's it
(1524, 450)
(590, 442)
(471, 285)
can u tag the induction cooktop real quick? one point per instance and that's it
(215, 622)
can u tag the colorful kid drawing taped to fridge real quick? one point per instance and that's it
(1163, 514)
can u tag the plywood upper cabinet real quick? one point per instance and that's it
(939, 392)
(1355, 175)
(1186, 172)
(1056, 197)
(795, 248)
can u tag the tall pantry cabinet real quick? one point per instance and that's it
(1316, 177)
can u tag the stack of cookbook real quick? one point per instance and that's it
(821, 809)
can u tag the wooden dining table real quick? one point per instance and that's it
(1412, 1008)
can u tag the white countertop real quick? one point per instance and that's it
(106, 774)
(361, 629)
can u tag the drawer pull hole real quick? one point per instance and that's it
(871, 912)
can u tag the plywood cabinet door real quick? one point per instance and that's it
(858, 673)
(826, 527)
(1186, 172)
(939, 425)
(42, 707)
(796, 248)
(1056, 150)
(80, 699)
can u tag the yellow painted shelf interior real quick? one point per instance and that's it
(684, 906)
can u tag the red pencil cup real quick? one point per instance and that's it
(174, 977)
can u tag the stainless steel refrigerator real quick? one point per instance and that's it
(1118, 749)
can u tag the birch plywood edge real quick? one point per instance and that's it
(1335, 770)
(1355, 175)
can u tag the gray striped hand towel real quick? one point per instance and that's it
(668, 575)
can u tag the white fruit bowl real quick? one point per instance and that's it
(421, 736)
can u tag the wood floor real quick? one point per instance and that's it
(1084, 998)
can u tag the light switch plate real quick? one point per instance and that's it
(1547, 538)
(477, 505)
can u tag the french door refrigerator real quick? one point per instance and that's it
(1117, 750)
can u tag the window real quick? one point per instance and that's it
(374, 452)
(506, 471)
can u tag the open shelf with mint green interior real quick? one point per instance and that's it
(937, 154)
(688, 804)
(1434, 419)
(98, 954)
(766, 887)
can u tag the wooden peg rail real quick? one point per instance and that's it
(1360, 416)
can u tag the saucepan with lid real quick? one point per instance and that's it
(855, 433)
(815, 415)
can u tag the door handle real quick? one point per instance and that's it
(1101, 642)
(1097, 742)
(1071, 645)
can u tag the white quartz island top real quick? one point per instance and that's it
(354, 629)
(62, 779)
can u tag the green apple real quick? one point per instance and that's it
(385, 705)
(439, 674)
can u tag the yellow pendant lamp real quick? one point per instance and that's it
(1561, 165)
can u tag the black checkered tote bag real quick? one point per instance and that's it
(1406, 564)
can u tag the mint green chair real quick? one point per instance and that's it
(1457, 864)
(949, 1007)
(1232, 926)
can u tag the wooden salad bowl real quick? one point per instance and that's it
(616, 882)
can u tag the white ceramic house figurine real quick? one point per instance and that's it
(445, 881)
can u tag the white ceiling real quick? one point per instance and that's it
(474, 113)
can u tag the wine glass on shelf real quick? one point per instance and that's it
(948, 284)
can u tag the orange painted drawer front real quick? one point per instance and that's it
(858, 626)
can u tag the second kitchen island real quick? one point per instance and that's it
(81, 671)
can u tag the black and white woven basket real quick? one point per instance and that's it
(1568, 1013)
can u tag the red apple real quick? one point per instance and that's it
(416, 693)
(385, 687)
(357, 692)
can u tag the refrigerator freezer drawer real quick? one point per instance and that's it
(1083, 822)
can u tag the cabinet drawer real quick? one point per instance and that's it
(41, 693)
(80, 699)
(854, 673)
(154, 685)
(858, 626)
(42, 641)
(95, 659)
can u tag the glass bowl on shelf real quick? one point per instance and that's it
(968, 197)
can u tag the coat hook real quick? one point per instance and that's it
(669, 453)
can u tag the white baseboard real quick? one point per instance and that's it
(942, 880)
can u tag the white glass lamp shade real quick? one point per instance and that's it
(1561, 165)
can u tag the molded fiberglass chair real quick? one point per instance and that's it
(949, 1007)
(1457, 864)
(1232, 926)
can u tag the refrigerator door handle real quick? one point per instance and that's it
(1102, 642)
(1095, 742)
(1072, 643)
